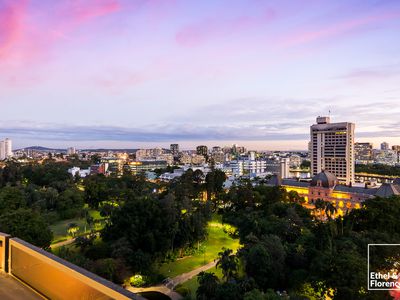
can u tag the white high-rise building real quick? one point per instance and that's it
(71, 151)
(332, 149)
(5, 149)
(2, 150)
(8, 146)
(284, 168)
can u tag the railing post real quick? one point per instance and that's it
(4, 252)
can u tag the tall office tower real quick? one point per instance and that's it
(363, 153)
(284, 168)
(396, 148)
(384, 146)
(8, 146)
(71, 151)
(202, 150)
(333, 149)
(174, 149)
(2, 150)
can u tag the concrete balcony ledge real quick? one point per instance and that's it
(28, 268)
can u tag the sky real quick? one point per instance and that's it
(145, 73)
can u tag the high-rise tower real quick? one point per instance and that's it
(332, 149)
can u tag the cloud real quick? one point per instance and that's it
(290, 127)
(22, 29)
(84, 10)
(304, 36)
(213, 28)
(372, 73)
(150, 133)
(12, 16)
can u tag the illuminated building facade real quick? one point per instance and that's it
(136, 167)
(332, 149)
(326, 186)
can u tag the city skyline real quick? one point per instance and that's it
(123, 74)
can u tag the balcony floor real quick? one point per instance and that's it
(12, 289)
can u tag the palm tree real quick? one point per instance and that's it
(319, 205)
(228, 263)
(72, 229)
(330, 210)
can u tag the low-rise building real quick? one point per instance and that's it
(325, 186)
(137, 167)
(78, 171)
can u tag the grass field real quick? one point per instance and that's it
(192, 284)
(217, 239)
(59, 228)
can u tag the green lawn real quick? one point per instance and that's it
(217, 239)
(59, 228)
(192, 284)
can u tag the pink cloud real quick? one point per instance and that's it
(121, 81)
(11, 26)
(28, 37)
(80, 11)
(307, 36)
(213, 28)
(371, 76)
(23, 35)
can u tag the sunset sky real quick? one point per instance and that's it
(135, 73)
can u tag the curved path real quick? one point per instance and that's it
(63, 243)
(171, 283)
(157, 288)
(189, 275)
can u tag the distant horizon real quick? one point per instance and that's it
(274, 145)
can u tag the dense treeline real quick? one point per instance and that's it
(145, 221)
(151, 223)
(378, 169)
(286, 249)
(35, 195)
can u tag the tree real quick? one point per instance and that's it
(330, 210)
(294, 197)
(214, 182)
(319, 205)
(11, 198)
(228, 263)
(96, 190)
(69, 203)
(265, 261)
(72, 229)
(27, 225)
(84, 242)
(208, 284)
(305, 164)
(95, 158)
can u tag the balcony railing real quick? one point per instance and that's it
(53, 277)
